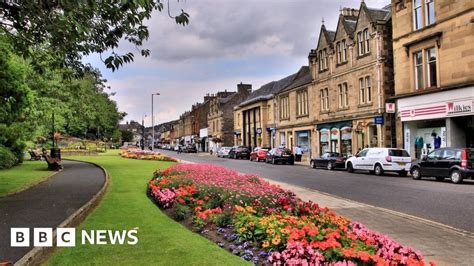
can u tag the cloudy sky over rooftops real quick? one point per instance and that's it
(226, 42)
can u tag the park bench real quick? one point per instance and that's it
(35, 156)
(53, 163)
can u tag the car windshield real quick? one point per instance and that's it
(398, 153)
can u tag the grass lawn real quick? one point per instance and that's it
(23, 176)
(126, 206)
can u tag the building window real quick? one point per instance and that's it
(284, 107)
(368, 84)
(343, 99)
(418, 58)
(363, 41)
(324, 95)
(431, 67)
(339, 52)
(323, 60)
(365, 90)
(238, 119)
(302, 102)
(417, 15)
(344, 50)
(429, 11)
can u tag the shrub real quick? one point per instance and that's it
(7, 158)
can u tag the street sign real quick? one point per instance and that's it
(390, 108)
(378, 120)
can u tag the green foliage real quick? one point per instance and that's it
(182, 211)
(71, 29)
(127, 136)
(7, 158)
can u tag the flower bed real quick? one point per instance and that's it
(265, 224)
(145, 155)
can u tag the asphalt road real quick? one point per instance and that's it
(442, 202)
(47, 204)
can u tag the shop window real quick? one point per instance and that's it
(418, 58)
(324, 96)
(431, 67)
(302, 102)
(417, 15)
(302, 140)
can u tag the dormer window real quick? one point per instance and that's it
(323, 59)
(363, 42)
(341, 50)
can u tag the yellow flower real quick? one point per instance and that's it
(265, 244)
(276, 240)
(250, 209)
(239, 208)
(270, 231)
(252, 224)
(285, 231)
(243, 230)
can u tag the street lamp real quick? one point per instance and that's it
(153, 122)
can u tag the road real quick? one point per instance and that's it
(442, 202)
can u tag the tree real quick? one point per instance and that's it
(71, 29)
(127, 136)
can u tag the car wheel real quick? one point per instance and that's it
(403, 173)
(456, 177)
(415, 173)
(312, 164)
(350, 168)
(439, 178)
(378, 170)
(329, 166)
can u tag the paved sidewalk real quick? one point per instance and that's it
(47, 204)
(438, 243)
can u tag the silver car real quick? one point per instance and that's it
(223, 152)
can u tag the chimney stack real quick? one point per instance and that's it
(244, 88)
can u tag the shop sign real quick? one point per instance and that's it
(334, 132)
(378, 120)
(390, 108)
(459, 107)
(346, 133)
(324, 135)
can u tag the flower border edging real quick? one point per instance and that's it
(38, 255)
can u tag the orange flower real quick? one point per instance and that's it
(266, 244)
(250, 209)
(276, 240)
(252, 224)
(285, 231)
(270, 231)
(239, 208)
(243, 230)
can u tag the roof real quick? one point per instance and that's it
(226, 99)
(302, 77)
(268, 90)
(379, 14)
(330, 35)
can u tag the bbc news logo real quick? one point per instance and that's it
(66, 237)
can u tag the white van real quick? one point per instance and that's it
(380, 160)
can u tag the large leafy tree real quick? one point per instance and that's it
(71, 29)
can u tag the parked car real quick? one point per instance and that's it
(329, 160)
(380, 160)
(259, 154)
(455, 163)
(223, 152)
(176, 147)
(278, 155)
(239, 152)
(190, 149)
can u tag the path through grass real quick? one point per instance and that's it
(23, 176)
(125, 206)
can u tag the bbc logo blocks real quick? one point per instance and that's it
(42, 237)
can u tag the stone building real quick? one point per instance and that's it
(352, 72)
(434, 73)
(221, 115)
(295, 119)
(255, 117)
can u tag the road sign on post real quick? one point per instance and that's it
(378, 120)
(390, 108)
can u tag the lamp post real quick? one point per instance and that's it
(153, 122)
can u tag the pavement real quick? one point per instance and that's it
(47, 204)
(438, 242)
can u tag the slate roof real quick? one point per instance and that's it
(268, 90)
(226, 99)
(302, 77)
(331, 35)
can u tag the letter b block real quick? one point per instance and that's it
(20, 237)
(43, 237)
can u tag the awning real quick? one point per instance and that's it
(339, 125)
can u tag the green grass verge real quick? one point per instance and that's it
(125, 206)
(23, 176)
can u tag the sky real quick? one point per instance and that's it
(225, 43)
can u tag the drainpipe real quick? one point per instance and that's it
(378, 65)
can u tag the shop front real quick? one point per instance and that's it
(335, 137)
(441, 119)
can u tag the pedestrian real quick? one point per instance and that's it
(179, 149)
(298, 153)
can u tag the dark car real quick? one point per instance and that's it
(259, 154)
(329, 160)
(455, 163)
(189, 149)
(239, 152)
(280, 155)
